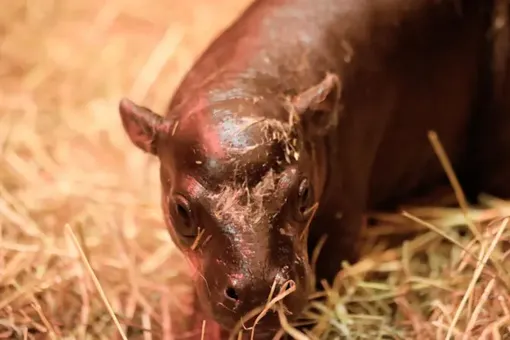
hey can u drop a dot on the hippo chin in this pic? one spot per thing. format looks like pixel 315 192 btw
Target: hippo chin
pixel 302 116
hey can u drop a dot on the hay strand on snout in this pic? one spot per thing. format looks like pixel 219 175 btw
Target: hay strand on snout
pixel 271 292
pixel 287 288
pixel 196 242
pixel 259 312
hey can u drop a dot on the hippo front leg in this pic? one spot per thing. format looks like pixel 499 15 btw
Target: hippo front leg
pixel 343 232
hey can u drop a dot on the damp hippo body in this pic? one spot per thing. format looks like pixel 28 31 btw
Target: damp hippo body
pixel 303 115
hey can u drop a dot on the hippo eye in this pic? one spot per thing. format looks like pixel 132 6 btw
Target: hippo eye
pixel 185 225
pixel 303 196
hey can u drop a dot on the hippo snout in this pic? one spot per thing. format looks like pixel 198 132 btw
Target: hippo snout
pixel 243 296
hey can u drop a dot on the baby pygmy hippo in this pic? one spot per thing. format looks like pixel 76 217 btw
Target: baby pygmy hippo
pixel 304 114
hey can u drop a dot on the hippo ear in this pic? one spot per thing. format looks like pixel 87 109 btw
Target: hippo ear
pixel 141 125
pixel 317 107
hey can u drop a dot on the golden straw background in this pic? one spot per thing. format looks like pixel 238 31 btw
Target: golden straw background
pixel 66 163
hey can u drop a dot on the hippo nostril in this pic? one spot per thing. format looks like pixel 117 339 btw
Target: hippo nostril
pixel 231 294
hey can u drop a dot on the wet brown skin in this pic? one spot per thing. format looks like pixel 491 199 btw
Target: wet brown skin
pixel 320 101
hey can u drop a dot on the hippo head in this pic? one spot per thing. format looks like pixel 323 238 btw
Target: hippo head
pixel 240 185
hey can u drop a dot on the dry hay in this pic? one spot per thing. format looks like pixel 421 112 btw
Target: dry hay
pixel 73 191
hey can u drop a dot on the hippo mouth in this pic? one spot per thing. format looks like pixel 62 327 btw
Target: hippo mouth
pixel 265 321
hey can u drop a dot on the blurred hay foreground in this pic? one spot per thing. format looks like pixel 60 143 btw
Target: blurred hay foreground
pixel 66 162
